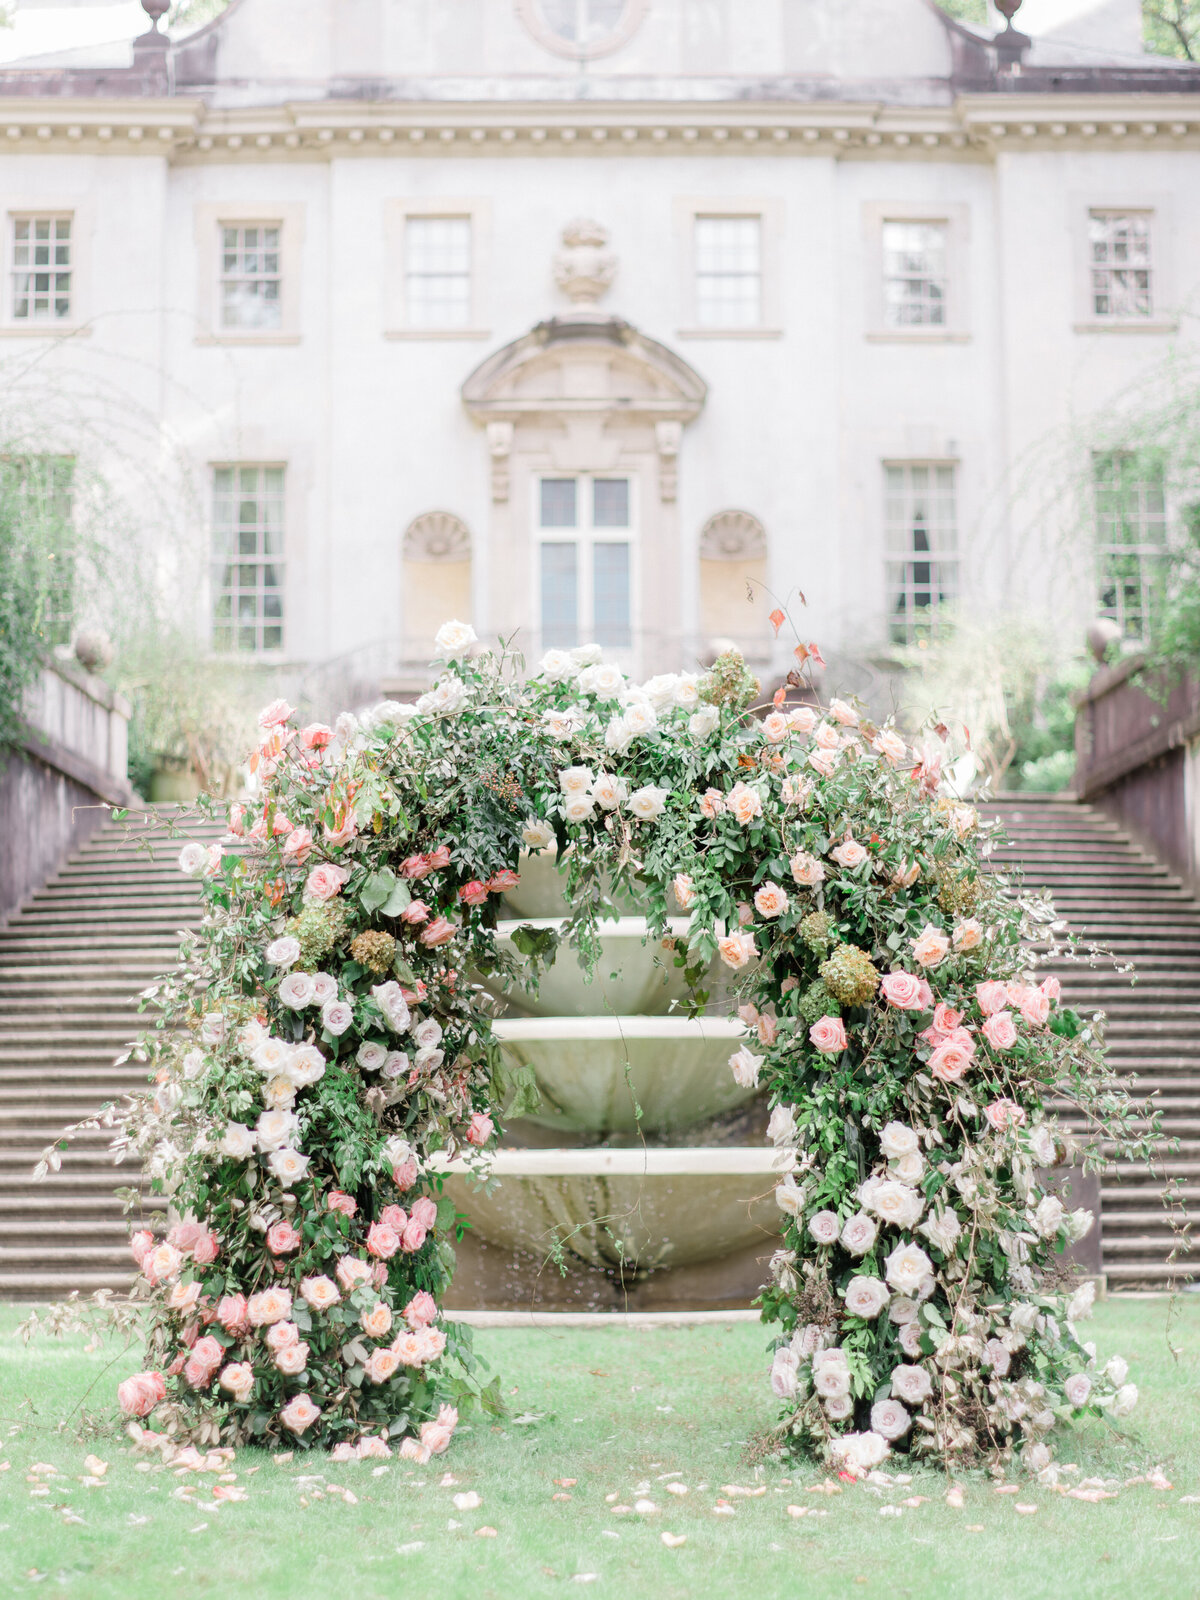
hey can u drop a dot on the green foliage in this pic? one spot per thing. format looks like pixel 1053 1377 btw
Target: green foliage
pixel 37 561
pixel 1172 28
pixel 966 10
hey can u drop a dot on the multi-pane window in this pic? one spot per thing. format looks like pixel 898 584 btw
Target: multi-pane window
pixel 1131 539
pixel 585 549
pixel 37 495
pixel 251 277
pixel 914 274
pixel 922 547
pixel 1119 256
pixel 248 558
pixel 728 271
pixel 437 272
pixel 41 269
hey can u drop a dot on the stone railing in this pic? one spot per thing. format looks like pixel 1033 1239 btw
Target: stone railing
pixel 1137 757
pixel 70 768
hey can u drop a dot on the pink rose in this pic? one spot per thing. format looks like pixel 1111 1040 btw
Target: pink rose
pixel 768 1029
pixel 394 1217
pixel 140 1245
pixel 162 1263
pixel 138 1396
pixel 298 845
pixel 439 858
pixel 316 736
pixel 274 715
pixel 474 893
pixel 410 1349
pixel 299 1414
pixel 946 1019
pixel 424 1210
pixel 951 1059
pixel 828 1035
pixel 281 1334
pixel 414 1237
pixel 269 1306
pixel 282 1239
pixel 502 880
pixel 292 1359
pixel 232 1313
pixel 479 1130
pixel 1002 1114
pixel 849 854
pixel 381 1365
pixel 382 1241
pixel 404 1175
pixel 415 867
pixel 280 824
pixel 206 1249
pixel 991 997
pixel 1051 988
pixel 237 820
pixel 999 1031
pixel 184 1236
pixel 1034 1006
pixel 421 1310
pixel 237 1379
pixel 336 1200
pixel 439 931
pixel 379 1276
pixel 930 947
pixel 344 827
pixel 207 1355
pixel 902 990
pixel 319 1292
pixel 415 913
pixel 324 881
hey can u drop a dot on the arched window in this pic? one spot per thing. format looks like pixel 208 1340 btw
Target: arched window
pixel 733 584
pixel 582 28
pixel 436 582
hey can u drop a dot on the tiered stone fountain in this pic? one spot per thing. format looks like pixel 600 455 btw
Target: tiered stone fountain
pixel 643 1180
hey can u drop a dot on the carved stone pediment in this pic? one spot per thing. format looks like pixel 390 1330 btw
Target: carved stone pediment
pixel 437 536
pixel 733 536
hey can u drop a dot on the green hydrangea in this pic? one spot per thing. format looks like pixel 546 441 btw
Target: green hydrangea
pixel 374 950
pixel 816 930
pixel 318 928
pixel 959 893
pixel 850 975
pixel 817 1002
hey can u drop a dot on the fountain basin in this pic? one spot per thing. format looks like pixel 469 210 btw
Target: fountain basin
pixel 542 891
pixel 632 973
pixel 594 1071
pixel 636 1209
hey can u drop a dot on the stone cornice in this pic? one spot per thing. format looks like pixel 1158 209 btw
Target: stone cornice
pixel 973 127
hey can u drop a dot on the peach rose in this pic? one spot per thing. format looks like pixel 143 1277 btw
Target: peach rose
pixel 902 990
pixel 685 894
pixel 768 1029
pixel 297 846
pixel 319 1292
pixel 930 947
pixel 325 881
pixel 807 870
pixel 282 1239
pixel 352 1272
pixel 439 932
pixel 292 1359
pixel 968 934
pixel 712 803
pixel 382 1241
pixel 377 1321
pixel 991 997
pixel 274 715
pixel 183 1296
pixel 315 737
pixel 237 1379
pixel 281 1334
pixel 745 803
pixel 138 1396
pixel 336 1200
pixel 736 949
pixel 410 1348
pixel 232 1313
pixel 802 719
pixel 951 1059
pixel 162 1264
pixel 999 1031
pixel 828 1035
pixel 421 1310
pixel 849 854
pixel 299 1414
pixel 770 900
pixel 775 727
pixel 888 744
pixel 381 1365
pixel 268 1306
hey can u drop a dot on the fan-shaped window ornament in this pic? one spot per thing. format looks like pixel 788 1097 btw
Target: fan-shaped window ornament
pixel 582 28
pixel 733 536
pixel 437 536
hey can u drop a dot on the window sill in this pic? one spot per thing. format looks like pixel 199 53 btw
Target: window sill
pixel 437 333
pixel 247 338
pixel 729 333
pixel 1128 325
pixel 45 330
pixel 917 336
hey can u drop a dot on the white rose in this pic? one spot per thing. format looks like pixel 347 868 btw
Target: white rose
pixel 324 988
pixel 785 1373
pixel 858 1233
pixel 824 1227
pixel 283 952
pixel 839 1408
pixel 996 1355
pixel 1077 1388
pixel 586 655
pixel 537 835
pixel 831 1382
pixel 834 1356
pixel 687 690
pixel 429 1060
pixel 289 1166
pixel 1023 1316
pixel 395 1065
pixel 237 1142
pixel 562 725
pixel 391 714
pixel 249 1036
pixel 271 1056
pixel 703 722
pixel 639 718
pixel 898 1139
pixel 446 697
pixel 789 1197
pixel 192 1065
pixel 575 780
pixel 337 1016
pixel 889 1418
pixel 578 808
pixel 783 1270
pixel 276 1129
pixel 453 639
pixel 896 1203
pixel 279 1093
pixel 913 1385
pixel 1048 1217
pixel 866 1297
pixel 1042 1145
pixel 910 1338
pixel 806 1341
pixel 296 991
pixel 942 1229
pixel 193 859
pixel 397 1151
pixel 428 1034
pixel 1116 1370
pixel 212 1028
pixel 556 665
pixel 781 1129
pixel 858 1453
pixel 604 681
pixel 910 1168
pixel 648 802
pixel 1078 1224
pixel 392 1005
pixel 907 1268
pixel 745 1066
pixel 1125 1400
pixel 306 1065
pixel 902 1309
pixel 617 736
pixel 608 792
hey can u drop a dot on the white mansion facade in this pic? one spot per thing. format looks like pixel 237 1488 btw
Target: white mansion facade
pixel 594 318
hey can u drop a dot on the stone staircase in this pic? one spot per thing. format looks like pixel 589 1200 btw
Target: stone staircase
pixel 1111 893
pixel 73 959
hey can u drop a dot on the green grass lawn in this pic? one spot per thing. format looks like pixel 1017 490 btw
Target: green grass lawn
pixel 622 1412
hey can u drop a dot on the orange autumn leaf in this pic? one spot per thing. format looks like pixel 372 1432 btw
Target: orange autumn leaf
pixel 777 620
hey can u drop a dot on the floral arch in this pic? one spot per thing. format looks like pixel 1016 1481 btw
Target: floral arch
pixel 324 1054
